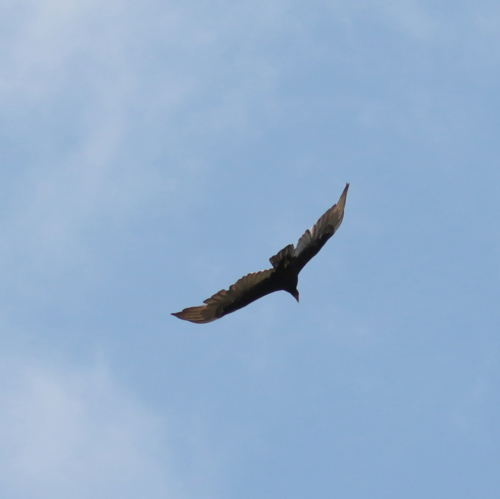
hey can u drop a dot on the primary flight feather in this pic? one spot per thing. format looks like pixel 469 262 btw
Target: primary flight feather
pixel 282 277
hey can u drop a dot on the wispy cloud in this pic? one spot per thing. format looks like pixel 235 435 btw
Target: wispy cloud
pixel 82 82
pixel 76 433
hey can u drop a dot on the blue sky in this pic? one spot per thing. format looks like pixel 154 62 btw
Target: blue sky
pixel 155 152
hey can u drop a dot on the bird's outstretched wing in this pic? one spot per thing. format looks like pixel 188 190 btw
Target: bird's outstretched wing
pixel 316 237
pixel 241 293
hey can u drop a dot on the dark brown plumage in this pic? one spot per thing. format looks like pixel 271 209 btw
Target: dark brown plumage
pixel 282 277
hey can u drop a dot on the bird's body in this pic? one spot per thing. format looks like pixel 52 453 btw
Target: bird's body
pixel 282 277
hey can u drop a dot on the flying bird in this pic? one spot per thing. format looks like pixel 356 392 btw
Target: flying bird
pixel 282 277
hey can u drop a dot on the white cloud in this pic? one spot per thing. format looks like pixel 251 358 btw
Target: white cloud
pixel 68 83
pixel 43 37
pixel 76 433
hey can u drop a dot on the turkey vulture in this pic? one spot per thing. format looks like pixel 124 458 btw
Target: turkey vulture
pixel 283 276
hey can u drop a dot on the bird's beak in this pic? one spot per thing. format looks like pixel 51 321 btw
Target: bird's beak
pixel 296 296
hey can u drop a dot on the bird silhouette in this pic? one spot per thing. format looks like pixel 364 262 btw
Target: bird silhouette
pixel 283 276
